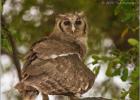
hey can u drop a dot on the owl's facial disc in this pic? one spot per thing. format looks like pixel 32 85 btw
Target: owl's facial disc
pixel 69 26
pixel 73 25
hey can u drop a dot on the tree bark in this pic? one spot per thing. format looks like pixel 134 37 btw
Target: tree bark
pixel 13 45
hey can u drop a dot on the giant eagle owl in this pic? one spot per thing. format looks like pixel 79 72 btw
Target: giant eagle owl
pixel 54 64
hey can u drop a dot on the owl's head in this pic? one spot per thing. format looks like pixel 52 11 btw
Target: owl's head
pixel 71 24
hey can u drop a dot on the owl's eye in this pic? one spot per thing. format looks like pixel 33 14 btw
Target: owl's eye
pixel 67 23
pixel 78 22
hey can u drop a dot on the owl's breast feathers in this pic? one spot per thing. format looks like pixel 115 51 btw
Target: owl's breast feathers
pixel 55 67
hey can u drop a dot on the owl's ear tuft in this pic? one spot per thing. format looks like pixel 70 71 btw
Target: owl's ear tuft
pixel 61 15
pixel 81 14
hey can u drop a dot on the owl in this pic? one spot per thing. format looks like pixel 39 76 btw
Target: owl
pixel 54 64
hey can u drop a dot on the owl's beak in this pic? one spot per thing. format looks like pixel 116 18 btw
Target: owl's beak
pixel 73 28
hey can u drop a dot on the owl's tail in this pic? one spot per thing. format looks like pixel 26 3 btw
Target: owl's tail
pixel 27 92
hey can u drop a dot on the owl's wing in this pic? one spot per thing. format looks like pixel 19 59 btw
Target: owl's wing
pixel 62 75
pixel 46 49
pixel 54 67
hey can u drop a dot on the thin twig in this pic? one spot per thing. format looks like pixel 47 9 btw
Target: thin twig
pixel 14 48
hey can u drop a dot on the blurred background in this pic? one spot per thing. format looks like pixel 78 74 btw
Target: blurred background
pixel 113 41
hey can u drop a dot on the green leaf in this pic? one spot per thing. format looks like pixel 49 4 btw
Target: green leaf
pixel 5 43
pixel 124 74
pixel 117 72
pixel 95 62
pixel 134 89
pixel 96 57
pixel 126 10
pixel 133 41
pixel 128 16
pixel 96 70
pixel 117 10
pixel 109 69
pixel 123 94
pixel 135 74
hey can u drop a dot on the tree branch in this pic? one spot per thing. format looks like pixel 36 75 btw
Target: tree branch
pixel 94 98
pixel 14 48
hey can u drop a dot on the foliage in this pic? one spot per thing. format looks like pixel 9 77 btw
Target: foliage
pixel 127 10
pixel 134 90
pixel 115 20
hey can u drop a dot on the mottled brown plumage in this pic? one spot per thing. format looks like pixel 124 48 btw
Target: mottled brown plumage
pixel 55 65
